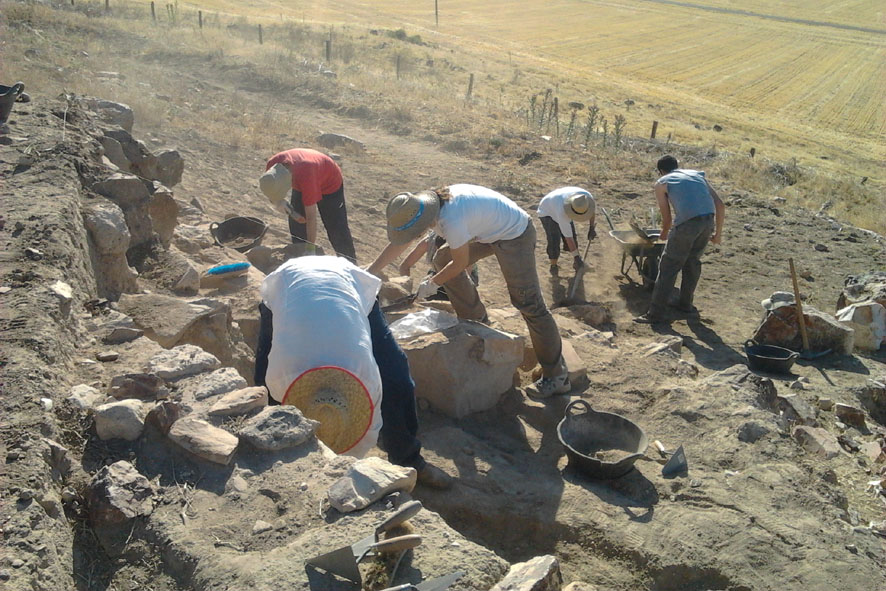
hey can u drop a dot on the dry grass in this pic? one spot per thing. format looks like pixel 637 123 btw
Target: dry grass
pixel 428 98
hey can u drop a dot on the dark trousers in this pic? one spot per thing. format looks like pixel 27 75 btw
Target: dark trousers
pixel 555 236
pixel 334 215
pixel 682 252
pixel 398 413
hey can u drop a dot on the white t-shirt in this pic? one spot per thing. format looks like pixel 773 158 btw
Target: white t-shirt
pixel 321 307
pixel 551 206
pixel 479 214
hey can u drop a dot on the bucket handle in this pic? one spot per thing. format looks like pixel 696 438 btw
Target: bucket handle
pixel 750 343
pixel 575 403
pixel 212 228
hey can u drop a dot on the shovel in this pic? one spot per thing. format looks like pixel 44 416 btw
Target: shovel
pixel 343 561
pixel 438 584
pixel 608 219
pixel 801 320
pixel 570 297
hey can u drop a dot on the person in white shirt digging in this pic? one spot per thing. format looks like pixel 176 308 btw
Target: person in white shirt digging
pixel 558 211
pixel 477 222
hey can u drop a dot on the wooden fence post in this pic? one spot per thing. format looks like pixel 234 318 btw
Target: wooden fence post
pixel 654 129
pixel 107 5
pixel 200 19
pixel 436 14
pixel 398 66
pixel 328 47
pixel 753 151
pixel 153 11
pixel 557 116
pixel 261 40
pixel 470 88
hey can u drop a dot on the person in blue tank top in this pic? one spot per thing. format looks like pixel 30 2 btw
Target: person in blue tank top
pixel 697 219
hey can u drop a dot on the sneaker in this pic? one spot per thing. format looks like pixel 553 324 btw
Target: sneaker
pixel 546 387
pixel 649 319
pixel 433 477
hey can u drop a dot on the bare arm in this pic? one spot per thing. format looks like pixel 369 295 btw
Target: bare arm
pixel 413 257
pixel 386 256
pixel 311 223
pixel 460 261
pixel 571 246
pixel 719 216
pixel 661 196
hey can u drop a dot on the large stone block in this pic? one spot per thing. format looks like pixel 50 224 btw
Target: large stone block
pixel 110 112
pixel 367 481
pixel 107 228
pixel 120 420
pixel 817 441
pixel 116 497
pixel 181 362
pixel 114 153
pixel 541 573
pixel 129 192
pixel 780 328
pixel 163 209
pixel 465 368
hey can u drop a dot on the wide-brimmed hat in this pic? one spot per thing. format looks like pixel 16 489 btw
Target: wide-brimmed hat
pixel 276 183
pixel 580 207
pixel 409 215
pixel 338 400
pixel 777 300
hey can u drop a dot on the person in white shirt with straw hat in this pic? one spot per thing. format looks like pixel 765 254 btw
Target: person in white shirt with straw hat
pixel 477 222
pixel 558 211
pixel 324 347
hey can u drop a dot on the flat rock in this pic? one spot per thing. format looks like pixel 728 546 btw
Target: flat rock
pixel 163 210
pixel 817 441
pixel 85 397
pixel 191 239
pixel 119 114
pixel 850 415
pixel 796 409
pixel 107 356
pixel 368 480
pixel 752 431
pixel 203 440
pixel 671 344
pixel 139 386
pixel 578 371
pixel 220 381
pixel 240 402
pixel 278 427
pixel 465 368
pixel 181 362
pixel 120 420
pixel 541 573
pixel 873 451
pixel 164 319
pixel 335 140
pixel 129 192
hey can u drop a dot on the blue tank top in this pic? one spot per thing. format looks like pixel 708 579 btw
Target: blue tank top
pixel 688 194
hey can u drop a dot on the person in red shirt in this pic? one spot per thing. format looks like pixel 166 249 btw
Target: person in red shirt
pixel 316 183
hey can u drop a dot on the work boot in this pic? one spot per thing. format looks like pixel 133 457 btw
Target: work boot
pixel 555 270
pixel 545 387
pixel 433 477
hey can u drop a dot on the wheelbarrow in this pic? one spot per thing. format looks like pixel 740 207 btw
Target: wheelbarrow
pixel 643 248
pixel 644 255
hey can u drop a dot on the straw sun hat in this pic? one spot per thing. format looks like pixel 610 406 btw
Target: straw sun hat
pixel 409 215
pixel 276 183
pixel 337 400
pixel 579 207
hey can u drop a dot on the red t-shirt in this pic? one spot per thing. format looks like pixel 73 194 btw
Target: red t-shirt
pixel 314 174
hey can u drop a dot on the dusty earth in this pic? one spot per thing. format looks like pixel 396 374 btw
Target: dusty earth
pixel 760 514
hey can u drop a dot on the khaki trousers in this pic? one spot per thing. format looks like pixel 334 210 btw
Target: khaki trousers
pixel 516 258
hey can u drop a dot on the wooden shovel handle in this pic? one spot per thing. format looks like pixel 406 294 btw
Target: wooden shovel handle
pixel 397 544
pixel 801 320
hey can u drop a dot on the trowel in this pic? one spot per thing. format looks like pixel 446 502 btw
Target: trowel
pixel 438 584
pixel 343 561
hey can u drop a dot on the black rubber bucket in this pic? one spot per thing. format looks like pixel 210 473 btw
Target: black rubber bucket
pixel 587 433
pixel 239 233
pixel 769 358
pixel 8 94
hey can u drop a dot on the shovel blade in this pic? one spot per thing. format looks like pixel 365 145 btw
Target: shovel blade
pixel 440 583
pixel 339 562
